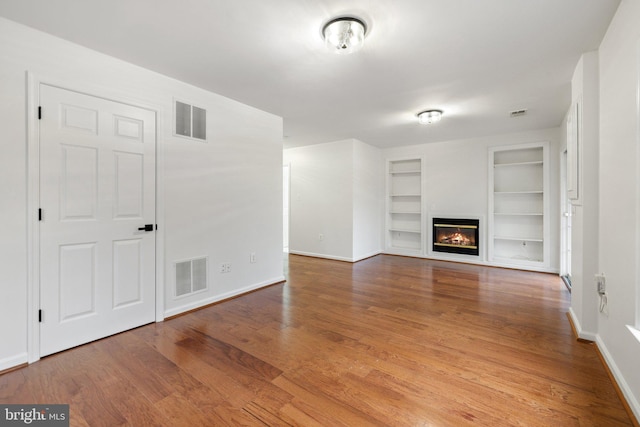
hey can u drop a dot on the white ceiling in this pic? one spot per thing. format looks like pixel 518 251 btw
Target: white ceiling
pixel 475 59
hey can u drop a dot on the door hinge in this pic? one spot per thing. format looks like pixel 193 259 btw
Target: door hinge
pixel 39 214
pixel 39 113
pixel 40 316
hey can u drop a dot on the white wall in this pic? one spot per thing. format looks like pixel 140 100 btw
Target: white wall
pixel 321 200
pixel 221 199
pixel 336 193
pixel 456 176
pixel 13 213
pixel 368 181
pixel 619 163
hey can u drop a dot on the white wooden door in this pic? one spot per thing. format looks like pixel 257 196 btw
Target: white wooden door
pixel 97 188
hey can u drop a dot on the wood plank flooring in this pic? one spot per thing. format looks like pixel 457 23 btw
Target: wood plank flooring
pixel 388 341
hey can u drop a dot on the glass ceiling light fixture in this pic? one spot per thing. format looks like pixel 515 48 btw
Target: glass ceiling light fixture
pixel 430 116
pixel 344 35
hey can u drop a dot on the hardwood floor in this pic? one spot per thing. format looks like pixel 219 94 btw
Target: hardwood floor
pixel 387 341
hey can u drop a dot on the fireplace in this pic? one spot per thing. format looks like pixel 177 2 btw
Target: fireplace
pixel 458 236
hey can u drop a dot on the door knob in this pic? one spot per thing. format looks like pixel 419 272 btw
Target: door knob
pixel 147 227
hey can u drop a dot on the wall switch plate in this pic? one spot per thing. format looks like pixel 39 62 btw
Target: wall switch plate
pixel 320 236
pixel 252 257
pixel 601 283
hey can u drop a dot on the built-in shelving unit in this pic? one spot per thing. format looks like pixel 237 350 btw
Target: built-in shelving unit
pixel 404 224
pixel 518 218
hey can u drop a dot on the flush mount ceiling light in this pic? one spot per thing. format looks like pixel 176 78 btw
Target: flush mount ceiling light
pixel 344 35
pixel 430 116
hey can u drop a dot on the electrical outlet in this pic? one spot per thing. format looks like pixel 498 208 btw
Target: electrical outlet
pixel 601 284
pixel 252 257
pixel 225 267
pixel 321 237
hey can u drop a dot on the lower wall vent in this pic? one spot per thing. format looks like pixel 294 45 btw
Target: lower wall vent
pixel 191 276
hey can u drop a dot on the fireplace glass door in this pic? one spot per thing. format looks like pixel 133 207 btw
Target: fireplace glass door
pixel 453 235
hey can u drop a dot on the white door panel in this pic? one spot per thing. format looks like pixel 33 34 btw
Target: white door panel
pixel 77 276
pixel 97 187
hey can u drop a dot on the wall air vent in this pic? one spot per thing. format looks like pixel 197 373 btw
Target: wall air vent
pixel 190 121
pixel 518 113
pixel 191 276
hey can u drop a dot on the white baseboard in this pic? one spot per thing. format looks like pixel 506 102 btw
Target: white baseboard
pixel 325 256
pixel 468 260
pixel 624 387
pixel 369 255
pixel 336 258
pixel 589 336
pixel 13 361
pixel 221 297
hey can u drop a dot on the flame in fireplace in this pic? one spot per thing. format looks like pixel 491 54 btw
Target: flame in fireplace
pixel 456 238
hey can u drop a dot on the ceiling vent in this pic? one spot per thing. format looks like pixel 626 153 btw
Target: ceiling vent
pixel 518 113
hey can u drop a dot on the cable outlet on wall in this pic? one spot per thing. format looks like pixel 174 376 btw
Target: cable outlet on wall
pixel 252 257
pixel 601 286
pixel 601 283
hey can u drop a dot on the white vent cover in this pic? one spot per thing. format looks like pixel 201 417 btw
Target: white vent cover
pixel 191 121
pixel 191 276
pixel 518 113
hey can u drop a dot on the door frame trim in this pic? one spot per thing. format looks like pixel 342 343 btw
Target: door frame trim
pixel 33 83
pixel 564 199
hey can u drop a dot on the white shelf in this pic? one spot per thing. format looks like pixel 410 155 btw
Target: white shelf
pixel 518 205
pixel 517 259
pixel 520 154
pixel 518 239
pixel 519 213
pixel 404 230
pixel 405 213
pixel 405 172
pixel 520 192
pixel 502 165
pixel 404 219
pixel 404 249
